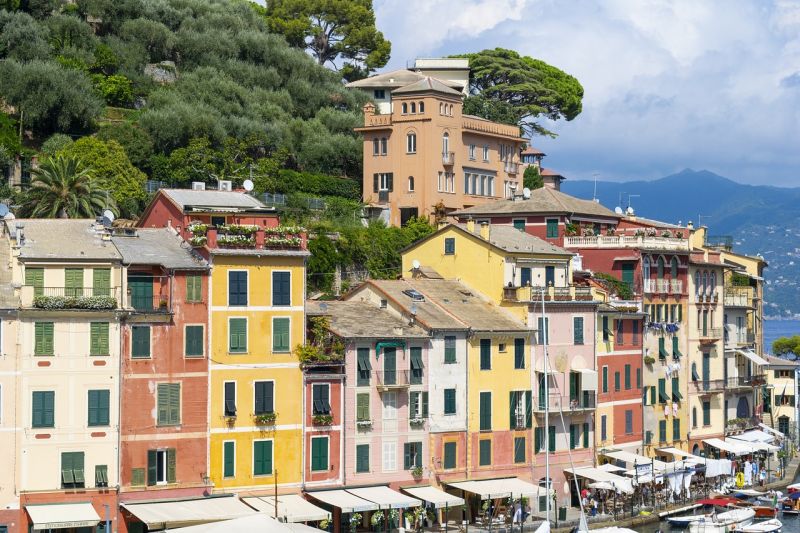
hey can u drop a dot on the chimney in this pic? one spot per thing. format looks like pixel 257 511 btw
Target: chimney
pixel 471 225
pixel 369 112
pixel 485 231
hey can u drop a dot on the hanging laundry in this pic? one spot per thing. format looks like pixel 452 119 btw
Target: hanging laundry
pixel 674 408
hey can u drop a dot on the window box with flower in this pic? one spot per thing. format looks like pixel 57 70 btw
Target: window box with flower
pixel 364 424
pixel 236 241
pixel 322 419
pixel 265 419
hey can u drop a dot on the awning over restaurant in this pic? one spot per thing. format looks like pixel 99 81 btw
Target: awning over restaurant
pixel 609 467
pixel 499 488
pixel 674 452
pixel 754 435
pixel 595 474
pixel 753 447
pixel 348 503
pixel 62 515
pixel 588 378
pixel 291 508
pixel 244 524
pixel 753 356
pixel 728 446
pixel 437 498
pixel 385 497
pixel 771 430
pixel 633 459
pixel 179 513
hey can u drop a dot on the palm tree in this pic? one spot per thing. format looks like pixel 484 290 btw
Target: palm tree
pixel 63 187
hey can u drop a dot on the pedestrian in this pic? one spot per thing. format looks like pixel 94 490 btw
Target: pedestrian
pixel 763 477
pixel 594 507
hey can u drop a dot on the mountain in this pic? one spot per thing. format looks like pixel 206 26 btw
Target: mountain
pixel 761 220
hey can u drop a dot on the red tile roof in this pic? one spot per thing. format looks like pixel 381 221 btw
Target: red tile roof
pixel 530 150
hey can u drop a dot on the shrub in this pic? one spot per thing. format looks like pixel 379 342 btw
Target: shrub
pixel 75 302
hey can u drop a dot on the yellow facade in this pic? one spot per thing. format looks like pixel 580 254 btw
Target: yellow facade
pixel 259 362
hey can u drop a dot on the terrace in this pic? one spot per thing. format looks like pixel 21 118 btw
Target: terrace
pixel 584 401
pixel 70 298
pixel 569 293
pixel 248 236
pixel 627 241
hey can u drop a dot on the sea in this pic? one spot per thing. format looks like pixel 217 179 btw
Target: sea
pixel 779 328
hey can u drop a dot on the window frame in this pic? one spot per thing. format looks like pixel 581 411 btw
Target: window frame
pixel 246 335
pixel 445 394
pixel 247 289
pixel 315 439
pixel 102 350
pixel 140 327
pixel 288 347
pixel 314 388
pixel 449 246
pixel 45 409
pixel 225 475
pixel 202 353
pixel 359 448
pixel 99 409
pixel 225 411
pixel 190 278
pixel 272 287
pixel 255 397
pixel 411 142
pixel 271 457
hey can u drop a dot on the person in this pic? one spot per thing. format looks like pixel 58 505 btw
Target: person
pixel 594 507
pixel 762 476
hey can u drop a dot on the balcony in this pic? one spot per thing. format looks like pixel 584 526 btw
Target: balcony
pixel 70 298
pixel 742 337
pixel 584 401
pixel 448 158
pixel 739 296
pixel 569 293
pixel 708 386
pixel 745 382
pixel 675 286
pixel 511 168
pixel 392 380
pixel 627 241
pixel 737 425
pixel 248 236
pixel 709 334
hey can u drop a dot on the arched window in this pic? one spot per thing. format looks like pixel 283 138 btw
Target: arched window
pixel 413 107
pixel 411 184
pixel 376 146
pixel 705 282
pixel 674 268
pixel 646 268
pixel 441 108
pixel 422 107
pixel 405 108
pixel 446 143
pixel 451 110
pixel 713 282
pixel 660 268
pixel 384 146
pixel 694 417
pixel 411 143
pixel 697 282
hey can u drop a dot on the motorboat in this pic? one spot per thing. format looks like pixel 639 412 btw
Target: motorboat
pixel 791 505
pixel 684 521
pixel 767 526
pixel 725 522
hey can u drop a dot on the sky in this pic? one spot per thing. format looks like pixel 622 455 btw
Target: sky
pixel 668 85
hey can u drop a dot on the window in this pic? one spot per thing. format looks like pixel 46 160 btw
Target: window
pixel 362 406
pixel 449 349
pixel 101 476
pixel 662 431
pixel 635 329
pixel 168 401
pixel 229 398
pixel 237 288
pixel 662 349
pixel 485 452
pixel 603 429
pixel 520 408
pixel 376 146
pixel 662 390
pixel 673 267
pixel 364 367
pixel 616 382
pixel 660 268
pixel 486 354
pixel 98 338
pixel 486 152
pixel 639 378
pixel 450 246
pixel 416 365
pixel 694 417
pixel 450 455
pixel 389 456
pixel 384 146
pixel 543 329
pixel 551 438
pixel 573 436
pixel 412 455
pixel 411 184
pixel 98 407
pixel 449 401
pixel 280 334
pixel 101 282
pixel 628 422
pixel 281 288
pixel 237 335
pixel 228 458
pixel 35 278
pixel 217 221
pixel 72 470
pixel 43 334
pixel 485 411
pixel 73 282
pixel 620 332
pixel 43 405
pixel 605 379
pixel 413 107
pixel 676 393
pixel 627 377
pixel 676 429
pixel 422 107
pixel 320 395
pixel 319 454
pixel 140 342
pixel 447 182
pixel 194 341
pixel 194 288
pixel 552 228
pixel 418 404
pixel 262 457
pixel 411 143
pixel 519 449
pixel 519 353
pixel 606 331
pixel 161 466
pixel 577 330
pixel 379 94
pixel 585 434
pixel 472 152
pixel 362 458
pixel 264 393
pixel 446 144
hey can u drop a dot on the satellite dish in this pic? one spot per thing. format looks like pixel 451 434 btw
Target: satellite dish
pixel 415 264
pixel 248 185
pixel 109 215
pixel 526 193
pixel 629 210
pixel 3 210
pixel 618 210
pixel 9 216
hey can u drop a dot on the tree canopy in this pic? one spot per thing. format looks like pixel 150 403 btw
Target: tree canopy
pixel 787 346
pixel 507 87
pixel 531 178
pixel 333 31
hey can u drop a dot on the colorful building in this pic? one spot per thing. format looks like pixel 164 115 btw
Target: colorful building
pixel 780 402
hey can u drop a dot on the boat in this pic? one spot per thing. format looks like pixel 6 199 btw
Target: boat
pixel 725 522
pixel 684 521
pixel 791 505
pixel 767 526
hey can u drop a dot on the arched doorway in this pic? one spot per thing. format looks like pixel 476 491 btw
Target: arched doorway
pixel 743 408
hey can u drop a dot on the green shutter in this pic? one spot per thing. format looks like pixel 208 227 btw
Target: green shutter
pixel 280 334
pixel 449 401
pixel 616 382
pixel 194 341
pixel 137 477
pixel 450 455
pixel 281 288
pixel 364 367
pixel 35 278
pixel 676 429
pixel 519 353
pixel 577 327
pixel 538 439
pixel 362 406
pixel 676 352
pixel 662 350
pixel 585 434
pixel 174 403
pixel 605 379
pixel 486 354
pixel 140 342
pixel 43 409
pixel 194 288
pixel 573 436
pixel 551 438
pixel 171 465
pixel 512 408
pixel 627 377
pixel 98 407
pixel 528 409
pixel 662 431
pixel 101 475
pixel 552 228
pixel 101 282
pixel 416 366
pixel 362 458
pixel 98 338
pixel 152 467
pixel 73 282
pixel 237 328
pixel 43 338
pixel 485 452
pixel 408 451
pixel 676 390
pixel 262 458
pixel 168 402
pixel 449 349
pixel 228 458
pixel 662 390
pixel 485 411
pixel 425 404
pixel 519 449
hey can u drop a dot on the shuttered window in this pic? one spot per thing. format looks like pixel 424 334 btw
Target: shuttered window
pixel 320 396
pixel 364 367
pixel 577 330
pixel 603 427
pixel 137 477
pixel 194 341
pixel 229 398
pixel 412 455
pixel 140 342
pixel 605 379
pixel 449 246
pixel 319 454
pixel 280 334
pixel 262 457
pixel 168 401
pixel 662 431
pixel 73 282
pixel 43 404
pixel 281 288
pixel 519 449
pixel 72 475
pixel 552 228
pixel 35 278
pixel 573 436
pixel 627 377
pixel 616 382
pixel 98 338
pixel 362 458
pixel 101 476
pixel 519 353
pixel 228 459
pixel 101 282
pixel 98 407
pixel 362 406
pixel 676 429
pixel 194 288
pixel 585 434
pixel 418 404
pixel 43 333
pixel 486 354
pixel 449 401
pixel 706 413
pixel 628 422
pixel 237 288
pixel 485 411
pixel 237 335
pixel 551 437
pixel 450 455
pixel 416 365
pixel 485 452
pixel 450 349
pixel 264 392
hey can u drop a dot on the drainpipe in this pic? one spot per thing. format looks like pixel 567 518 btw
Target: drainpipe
pixel 120 389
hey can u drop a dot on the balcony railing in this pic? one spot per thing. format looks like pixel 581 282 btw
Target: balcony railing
pixel 708 386
pixel 88 298
pixel 709 333
pixel 150 304
pixel 448 158
pixel 739 296
pixel 745 381
pixel 741 337
pixel 511 168
pixel 627 241
pixel 552 294
pixel 581 402
pixel 676 286
pixel 392 379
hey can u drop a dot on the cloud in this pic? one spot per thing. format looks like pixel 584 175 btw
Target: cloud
pixel 668 84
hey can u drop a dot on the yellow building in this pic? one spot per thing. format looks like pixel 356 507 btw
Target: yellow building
pixel 256 319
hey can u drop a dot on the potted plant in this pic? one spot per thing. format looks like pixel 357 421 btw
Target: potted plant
pixel 162 305
pixel 571 230
pixel 666 233
pixel 376 520
pixel 355 520
pixel 363 424
pixel 394 518
pixel 322 419
pixel 417 472
pixel 416 421
pixel 265 419
pixel 648 360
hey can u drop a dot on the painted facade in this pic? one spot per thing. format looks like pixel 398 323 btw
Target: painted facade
pixel 10 429
pixel 780 407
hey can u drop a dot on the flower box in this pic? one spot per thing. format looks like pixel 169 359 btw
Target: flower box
pixel 265 419
pixel 322 420
pixel 75 302
pixel 363 424
pixel 236 241
pixel 198 241
pixel 416 421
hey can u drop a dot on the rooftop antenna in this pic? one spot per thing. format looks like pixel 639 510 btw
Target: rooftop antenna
pixel 632 196
pixel 700 219
pixel 594 194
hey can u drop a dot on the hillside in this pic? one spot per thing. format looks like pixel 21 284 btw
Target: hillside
pixel 761 219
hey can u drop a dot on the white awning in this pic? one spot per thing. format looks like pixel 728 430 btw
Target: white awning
pixel 595 474
pixel 771 430
pixel 588 379
pixel 348 503
pixel 301 528
pixel 291 508
pixel 499 488
pixel 753 447
pixel 171 514
pixel 609 467
pixel 674 452
pixel 754 435
pixel 634 459
pixel 437 498
pixel 244 524
pixel 385 497
pixel 753 356
pixel 62 515
pixel 737 448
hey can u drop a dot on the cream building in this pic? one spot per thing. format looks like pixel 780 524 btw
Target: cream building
pixel 780 406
